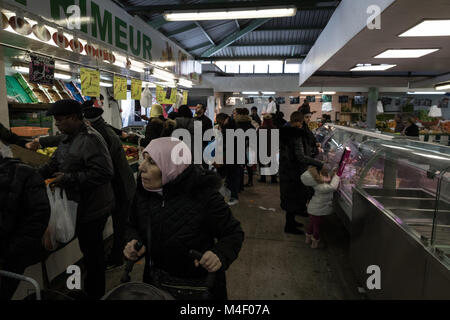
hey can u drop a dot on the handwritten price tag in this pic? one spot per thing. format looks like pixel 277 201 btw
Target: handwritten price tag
pixel 90 82
pixel 120 88
pixel 136 89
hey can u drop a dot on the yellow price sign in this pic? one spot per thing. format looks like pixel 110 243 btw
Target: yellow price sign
pixel 90 82
pixel 166 96
pixel 160 94
pixel 136 89
pixel 185 97
pixel 120 88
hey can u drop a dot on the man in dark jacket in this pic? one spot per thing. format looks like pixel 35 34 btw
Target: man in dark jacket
pixel 123 183
pixel 244 121
pixel 206 125
pixel 24 216
pixel 82 166
pixel 255 115
pixel 295 157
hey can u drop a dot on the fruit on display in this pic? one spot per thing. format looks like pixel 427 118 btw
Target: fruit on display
pixel 130 151
pixel 47 151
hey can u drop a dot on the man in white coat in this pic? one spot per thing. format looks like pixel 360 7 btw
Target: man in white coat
pixel 271 107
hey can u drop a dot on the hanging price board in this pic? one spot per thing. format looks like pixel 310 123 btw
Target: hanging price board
pixel 136 89
pixel 185 97
pixel 90 82
pixel 166 96
pixel 42 70
pixel 120 88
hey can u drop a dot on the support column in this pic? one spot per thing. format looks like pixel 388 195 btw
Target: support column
pixel 4 112
pixel 372 108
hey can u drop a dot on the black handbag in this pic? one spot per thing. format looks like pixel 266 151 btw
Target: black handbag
pixel 179 288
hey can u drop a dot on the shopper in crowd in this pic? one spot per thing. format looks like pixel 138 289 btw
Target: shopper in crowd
pixel 206 125
pixel 271 107
pixel 255 116
pixel 178 208
pixel 295 157
pixel 123 183
pixel 268 126
pixel 399 126
pixel 184 111
pixel 278 120
pixel 24 217
pixel 411 129
pixel 307 114
pixel 232 170
pixel 155 125
pixel 321 203
pixel 83 167
pixel 305 105
pixel 244 121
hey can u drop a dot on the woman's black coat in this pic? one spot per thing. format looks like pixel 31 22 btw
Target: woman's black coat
pixel 190 214
pixel 295 157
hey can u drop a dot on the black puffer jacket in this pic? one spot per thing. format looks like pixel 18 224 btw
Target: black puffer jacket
pixel 295 157
pixel 190 215
pixel 24 212
pixel 153 130
pixel 123 181
pixel 87 166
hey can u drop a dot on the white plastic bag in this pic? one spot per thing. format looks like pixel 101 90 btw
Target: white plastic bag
pixel 61 227
pixel 146 98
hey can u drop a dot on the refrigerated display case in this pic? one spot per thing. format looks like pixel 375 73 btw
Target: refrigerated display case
pixel 396 197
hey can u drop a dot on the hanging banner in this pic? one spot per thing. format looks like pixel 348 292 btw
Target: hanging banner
pixel 166 96
pixel 136 89
pixel 42 70
pixel 90 82
pixel 120 88
pixel 185 97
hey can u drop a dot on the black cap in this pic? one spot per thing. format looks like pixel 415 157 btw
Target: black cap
pixel 64 108
pixel 305 109
pixel 89 111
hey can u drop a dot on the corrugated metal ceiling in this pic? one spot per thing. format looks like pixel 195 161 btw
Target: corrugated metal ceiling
pixel 279 37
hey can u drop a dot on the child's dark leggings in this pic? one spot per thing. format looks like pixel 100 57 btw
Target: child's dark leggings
pixel 314 226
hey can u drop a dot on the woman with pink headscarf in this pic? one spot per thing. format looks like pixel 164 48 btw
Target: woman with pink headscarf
pixel 178 208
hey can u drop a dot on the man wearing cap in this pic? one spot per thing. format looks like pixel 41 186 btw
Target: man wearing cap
pixel 123 182
pixel 83 167
pixel 155 125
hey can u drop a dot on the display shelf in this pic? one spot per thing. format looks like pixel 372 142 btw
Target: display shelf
pixel 29 106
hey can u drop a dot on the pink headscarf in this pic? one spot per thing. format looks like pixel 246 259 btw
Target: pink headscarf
pixel 160 150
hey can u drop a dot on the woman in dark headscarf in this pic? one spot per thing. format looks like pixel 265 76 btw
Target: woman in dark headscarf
pixel 178 204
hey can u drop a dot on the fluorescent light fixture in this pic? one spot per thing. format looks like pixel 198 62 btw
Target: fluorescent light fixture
pixel 442 86
pixel 185 83
pixel 312 93
pixel 372 67
pixel 429 28
pixel 250 92
pixel 106 84
pixel 268 92
pixel 62 76
pixel 405 53
pixel 21 69
pixel 148 84
pixel 231 14
pixel 425 93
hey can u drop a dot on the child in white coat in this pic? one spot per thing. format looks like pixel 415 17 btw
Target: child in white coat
pixel 320 204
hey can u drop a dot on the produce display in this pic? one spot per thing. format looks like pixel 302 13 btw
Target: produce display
pixel 131 152
pixel 47 151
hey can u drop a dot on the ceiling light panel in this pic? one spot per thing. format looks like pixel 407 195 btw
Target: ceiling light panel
pixel 429 28
pixel 405 53
pixel 370 67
